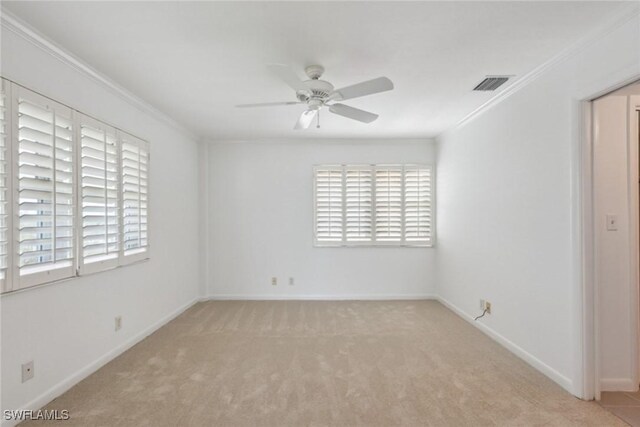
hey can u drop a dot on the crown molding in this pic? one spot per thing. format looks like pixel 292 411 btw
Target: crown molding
pixel 315 140
pixel 625 14
pixel 10 22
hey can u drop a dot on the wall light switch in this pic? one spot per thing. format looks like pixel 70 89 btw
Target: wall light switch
pixel 612 222
pixel 274 281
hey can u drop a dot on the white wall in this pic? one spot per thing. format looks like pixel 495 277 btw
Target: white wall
pixel 68 328
pixel 507 206
pixel 261 225
pixel 615 151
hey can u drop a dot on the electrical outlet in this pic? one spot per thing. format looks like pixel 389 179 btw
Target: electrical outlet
pixel 274 281
pixel 485 305
pixel 118 323
pixel 27 371
pixel 291 281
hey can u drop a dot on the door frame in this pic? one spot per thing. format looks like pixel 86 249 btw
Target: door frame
pixel 587 358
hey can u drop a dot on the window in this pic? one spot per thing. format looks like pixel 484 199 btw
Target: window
pixel 99 195
pixel 389 203
pixel 73 192
pixel 45 202
pixel 417 204
pixel 359 204
pixel 135 162
pixel 379 205
pixel 329 201
pixel 5 175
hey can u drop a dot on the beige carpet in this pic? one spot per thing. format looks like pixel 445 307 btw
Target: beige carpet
pixel 294 363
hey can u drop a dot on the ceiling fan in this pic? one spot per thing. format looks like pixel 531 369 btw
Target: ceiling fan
pixel 316 94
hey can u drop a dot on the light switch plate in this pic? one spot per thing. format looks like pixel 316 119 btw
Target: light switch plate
pixel 612 222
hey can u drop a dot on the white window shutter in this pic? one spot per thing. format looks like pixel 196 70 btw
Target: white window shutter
pixel 329 200
pixel 388 203
pixel 5 155
pixel 45 181
pixel 135 196
pixel 417 204
pixel 99 181
pixel 359 203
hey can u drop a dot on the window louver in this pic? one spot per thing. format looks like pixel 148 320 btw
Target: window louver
pixel 388 203
pixel 359 204
pixel 135 169
pixel 4 174
pixel 73 192
pixel 99 192
pixel 380 205
pixel 417 204
pixel 329 202
pixel 45 186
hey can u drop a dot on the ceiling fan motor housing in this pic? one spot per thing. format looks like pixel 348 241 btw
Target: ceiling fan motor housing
pixel 315 90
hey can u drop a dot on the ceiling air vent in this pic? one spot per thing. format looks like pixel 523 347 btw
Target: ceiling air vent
pixel 491 83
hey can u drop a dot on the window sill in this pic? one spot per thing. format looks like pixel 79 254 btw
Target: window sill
pixel 371 246
pixel 67 279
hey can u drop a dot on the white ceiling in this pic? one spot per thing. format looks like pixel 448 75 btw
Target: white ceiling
pixel 196 60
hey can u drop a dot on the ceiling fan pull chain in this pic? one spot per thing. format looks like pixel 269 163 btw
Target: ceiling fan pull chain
pixel 318 125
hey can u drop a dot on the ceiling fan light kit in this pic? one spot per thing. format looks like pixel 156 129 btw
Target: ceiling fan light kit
pixel 316 94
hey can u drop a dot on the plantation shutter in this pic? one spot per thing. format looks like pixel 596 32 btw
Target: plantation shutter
pixel 5 132
pixel 417 204
pixel 359 203
pixel 388 205
pixel 329 204
pixel 99 194
pixel 135 184
pixel 45 188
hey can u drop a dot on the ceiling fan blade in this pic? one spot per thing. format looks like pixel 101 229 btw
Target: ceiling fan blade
pixel 305 119
pixel 381 84
pixel 268 104
pixel 353 113
pixel 287 75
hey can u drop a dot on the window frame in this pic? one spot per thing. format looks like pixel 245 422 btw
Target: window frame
pixel 373 243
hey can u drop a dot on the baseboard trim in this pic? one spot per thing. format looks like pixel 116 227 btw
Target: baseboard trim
pixel 329 297
pixel 536 363
pixel 92 367
pixel 618 384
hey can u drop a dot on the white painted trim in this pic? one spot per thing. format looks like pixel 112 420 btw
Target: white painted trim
pixel 14 24
pixel 623 15
pixel 632 197
pixel 588 386
pixel 583 258
pixel 618 384
pixel 547 370
pixel 328 297
pixel 355 140
pixel 92 367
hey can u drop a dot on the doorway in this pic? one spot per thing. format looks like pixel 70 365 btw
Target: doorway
pixel 615 225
